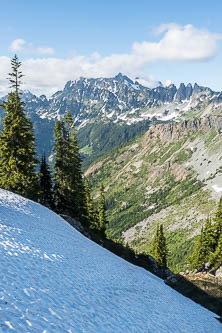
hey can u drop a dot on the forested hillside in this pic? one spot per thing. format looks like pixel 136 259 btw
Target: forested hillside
pixel 170 175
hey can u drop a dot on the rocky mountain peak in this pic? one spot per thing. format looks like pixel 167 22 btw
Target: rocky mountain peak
pixel 121 100
pixel 120 77
pixel 183 92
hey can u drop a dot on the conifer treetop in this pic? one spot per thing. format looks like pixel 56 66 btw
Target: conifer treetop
pixel 16 75
pixel 17 143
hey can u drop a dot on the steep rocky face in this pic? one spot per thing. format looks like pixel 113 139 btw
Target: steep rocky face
pixel 183 93
pixel 172 132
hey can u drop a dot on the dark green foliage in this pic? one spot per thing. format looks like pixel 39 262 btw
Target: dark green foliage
pixel 180 248
pixel 210 238
pixel 216 257
pixel 208 245
pixel 69 186
pixel 45 182
pixel 199 253
pixel 59 167
pixel 15 75
pixel 173 193
pixel 218 221
pixel 93 218
pixel 104 136
pixel 17 144
pixel 102 221
pixel 159 249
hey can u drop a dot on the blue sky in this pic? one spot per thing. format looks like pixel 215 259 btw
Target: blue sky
pixel 155 40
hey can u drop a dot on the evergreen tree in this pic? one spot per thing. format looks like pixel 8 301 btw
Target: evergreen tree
pixel 216 258
pixel 159 248
pixel 218 223
pixel 102 221
pixel 208 239
pixel 207 243
pixel 199 254
pixel 90 207
pixel 45 181
pixel 17 143
pixel 69 187
pixel 60 151
pixel 16 75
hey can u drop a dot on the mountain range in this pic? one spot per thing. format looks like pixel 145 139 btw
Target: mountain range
pixel 111 111
pixel 121 100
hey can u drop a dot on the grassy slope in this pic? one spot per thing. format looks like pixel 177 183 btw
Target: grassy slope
pixel 150 181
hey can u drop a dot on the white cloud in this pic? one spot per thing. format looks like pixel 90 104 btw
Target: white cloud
pixel 28 48
pixel 175 42
pixel 147 81
pixel 179 43
pixel 43 50
pixel 17 45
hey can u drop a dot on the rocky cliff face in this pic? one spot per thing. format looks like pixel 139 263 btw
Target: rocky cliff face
pixel 173 131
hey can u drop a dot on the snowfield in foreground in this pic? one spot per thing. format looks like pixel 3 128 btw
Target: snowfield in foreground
pixel 53 279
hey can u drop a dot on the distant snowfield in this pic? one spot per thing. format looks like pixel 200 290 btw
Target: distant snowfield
pixel 53 279
pixel 217 188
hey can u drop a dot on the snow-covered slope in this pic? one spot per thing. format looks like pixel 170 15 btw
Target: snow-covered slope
pixel 53 279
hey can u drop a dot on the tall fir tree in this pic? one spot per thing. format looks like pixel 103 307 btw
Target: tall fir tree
pixel 17 143
pixel 198 256
pixel 45 182
pixel 60 150
pixel 159 248
pixel 218 223
pixel 69 186
pixel 207 246
pixel 102 220
pixel 216 258
pixel 208 238
pixel 93 220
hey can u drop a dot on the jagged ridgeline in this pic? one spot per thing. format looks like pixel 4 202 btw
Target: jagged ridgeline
pixel 111 111
pixel 171 175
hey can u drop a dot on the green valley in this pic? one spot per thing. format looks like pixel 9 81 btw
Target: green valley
pixel 169 175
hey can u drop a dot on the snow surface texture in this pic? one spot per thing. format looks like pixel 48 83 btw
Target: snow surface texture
pixel 53 279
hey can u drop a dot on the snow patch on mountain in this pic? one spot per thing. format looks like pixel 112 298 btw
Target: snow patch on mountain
pixel 53 279
pixel 217 188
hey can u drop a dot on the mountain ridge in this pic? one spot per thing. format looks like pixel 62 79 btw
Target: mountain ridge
pixel 119 105
pixel 111 98
pixel 119 98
